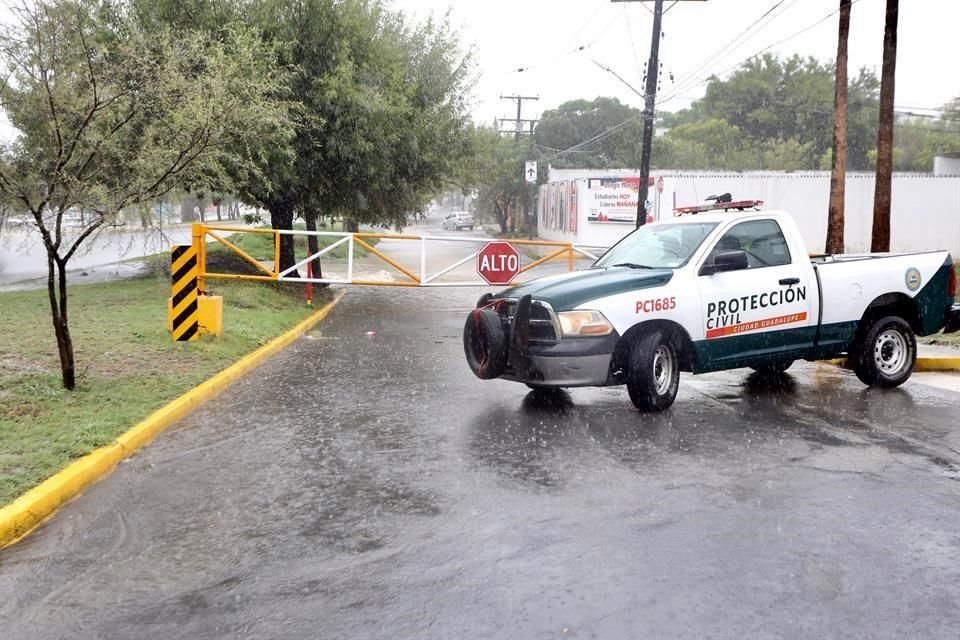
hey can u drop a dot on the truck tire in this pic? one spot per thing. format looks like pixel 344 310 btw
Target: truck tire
pixel 886 354
pixel 485 343
pixel 654 373
pixel 771 370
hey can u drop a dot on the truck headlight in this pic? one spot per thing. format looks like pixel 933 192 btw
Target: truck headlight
pixel 578 324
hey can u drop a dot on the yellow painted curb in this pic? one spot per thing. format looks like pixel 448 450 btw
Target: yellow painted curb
pixel 942 363
pixel 932 363
pixel 21 516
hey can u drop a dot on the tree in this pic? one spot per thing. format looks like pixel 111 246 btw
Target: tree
pixel 917 140
pixel 884 183
pixel 838 174
pixel 579 122
pixel 381 120
pixel 502 175
pixel 109 116
pixel 770 99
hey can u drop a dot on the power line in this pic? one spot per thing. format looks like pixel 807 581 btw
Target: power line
pixel 633 46
pixel 713 57
pixel 572 49
pixel 763 50
pixel 618 77
pixel 600 136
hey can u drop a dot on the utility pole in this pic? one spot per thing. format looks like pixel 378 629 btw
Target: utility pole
pixel 527 204
pixel 519 122
pixel 648 114
pixel 880 240
pixel 650 98
pixel 838 177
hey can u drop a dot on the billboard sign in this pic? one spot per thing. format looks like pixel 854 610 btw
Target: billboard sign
pixel 613 200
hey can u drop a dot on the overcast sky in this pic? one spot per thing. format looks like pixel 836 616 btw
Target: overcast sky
pixel 543 36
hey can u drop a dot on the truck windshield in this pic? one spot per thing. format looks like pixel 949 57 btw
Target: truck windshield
pixel 657 246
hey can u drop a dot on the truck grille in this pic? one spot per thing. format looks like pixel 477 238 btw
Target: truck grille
pixel 542 324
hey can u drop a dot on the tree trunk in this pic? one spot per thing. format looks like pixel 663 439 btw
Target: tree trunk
pixel 501 213
pixel 281 217
pixel 57 293
pixel 219 219
pixel 882 193
pixel 838 174
pixel 187 210
pixel 312 244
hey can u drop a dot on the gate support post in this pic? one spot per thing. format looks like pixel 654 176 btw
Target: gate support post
pixel 200 247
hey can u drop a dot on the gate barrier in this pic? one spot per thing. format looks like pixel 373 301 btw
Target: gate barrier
pixel 414 277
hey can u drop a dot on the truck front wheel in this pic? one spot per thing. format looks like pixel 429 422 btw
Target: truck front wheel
pixel 886 355
pixel 654 373
pixel 485 343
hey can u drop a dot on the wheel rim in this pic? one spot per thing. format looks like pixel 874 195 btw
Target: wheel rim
pixel 891 352
pixel 662 369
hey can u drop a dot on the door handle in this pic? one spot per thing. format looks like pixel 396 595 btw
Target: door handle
pixel 789 281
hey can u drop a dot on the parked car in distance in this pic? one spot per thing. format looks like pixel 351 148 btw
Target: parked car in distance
pixel 458 220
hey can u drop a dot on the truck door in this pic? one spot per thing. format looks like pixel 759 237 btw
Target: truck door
pixel 760 309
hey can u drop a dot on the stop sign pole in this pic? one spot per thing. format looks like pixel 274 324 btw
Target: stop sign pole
pixel 498 262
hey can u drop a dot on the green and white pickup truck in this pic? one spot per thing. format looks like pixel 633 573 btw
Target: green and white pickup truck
pixel 711 292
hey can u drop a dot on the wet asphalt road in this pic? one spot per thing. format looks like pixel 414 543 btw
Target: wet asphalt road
pixel 371 487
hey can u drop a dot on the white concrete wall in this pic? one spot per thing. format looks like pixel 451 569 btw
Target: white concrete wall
pixel 925 211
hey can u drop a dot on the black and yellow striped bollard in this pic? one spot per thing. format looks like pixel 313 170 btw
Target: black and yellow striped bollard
pixel 184 307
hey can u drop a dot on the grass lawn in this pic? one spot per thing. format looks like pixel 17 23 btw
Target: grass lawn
pixel 127 365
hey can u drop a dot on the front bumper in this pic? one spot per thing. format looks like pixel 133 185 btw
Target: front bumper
pixel 565 371
pixel 571 362
pixel 953 319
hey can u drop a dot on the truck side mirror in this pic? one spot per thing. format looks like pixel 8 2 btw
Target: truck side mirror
pixel 726 261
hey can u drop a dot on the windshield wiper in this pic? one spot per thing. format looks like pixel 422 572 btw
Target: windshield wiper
pixel 632 265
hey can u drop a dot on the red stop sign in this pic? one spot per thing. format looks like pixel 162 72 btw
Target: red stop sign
pixel 498 262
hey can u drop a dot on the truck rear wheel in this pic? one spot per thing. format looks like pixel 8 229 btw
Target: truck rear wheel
pixel 654 374
pixel 485 343
pixel 886 354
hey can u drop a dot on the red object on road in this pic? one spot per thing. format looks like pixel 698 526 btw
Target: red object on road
pixel 498 262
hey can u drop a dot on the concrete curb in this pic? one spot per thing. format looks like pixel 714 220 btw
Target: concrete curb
pixel 932 363
pixel 20 517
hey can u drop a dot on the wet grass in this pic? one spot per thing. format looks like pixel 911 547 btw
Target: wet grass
pixel 126 362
